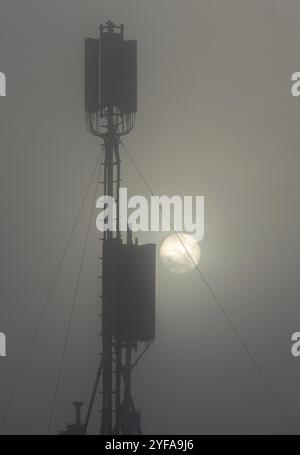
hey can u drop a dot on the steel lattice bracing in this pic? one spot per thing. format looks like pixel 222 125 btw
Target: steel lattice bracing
pixel 110 113
pixel 110 105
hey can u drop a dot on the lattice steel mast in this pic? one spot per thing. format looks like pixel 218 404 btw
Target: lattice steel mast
pixel 128 308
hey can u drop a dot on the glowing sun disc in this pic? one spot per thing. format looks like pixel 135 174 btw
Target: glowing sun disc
pixel 180 255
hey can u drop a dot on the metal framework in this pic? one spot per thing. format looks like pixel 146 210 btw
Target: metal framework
pixel 118 414
pixel 110 118
pixel 128 270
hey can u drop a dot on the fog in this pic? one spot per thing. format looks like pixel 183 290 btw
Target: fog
pixel 215 118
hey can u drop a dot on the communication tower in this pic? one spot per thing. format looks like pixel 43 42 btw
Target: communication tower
pixel 128 269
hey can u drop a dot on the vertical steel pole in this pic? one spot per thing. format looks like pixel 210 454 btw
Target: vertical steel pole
pixel 118 344
pixel 108 277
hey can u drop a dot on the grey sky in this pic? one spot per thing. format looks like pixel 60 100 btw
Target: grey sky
pixel 215 118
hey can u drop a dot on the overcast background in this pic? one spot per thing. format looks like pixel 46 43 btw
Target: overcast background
pixel 215 118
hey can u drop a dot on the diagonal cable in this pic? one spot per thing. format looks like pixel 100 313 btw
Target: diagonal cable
pixel 67 337
pixel 36 330
pixel 218 302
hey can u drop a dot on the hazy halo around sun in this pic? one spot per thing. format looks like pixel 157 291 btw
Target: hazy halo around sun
pixel 180 252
